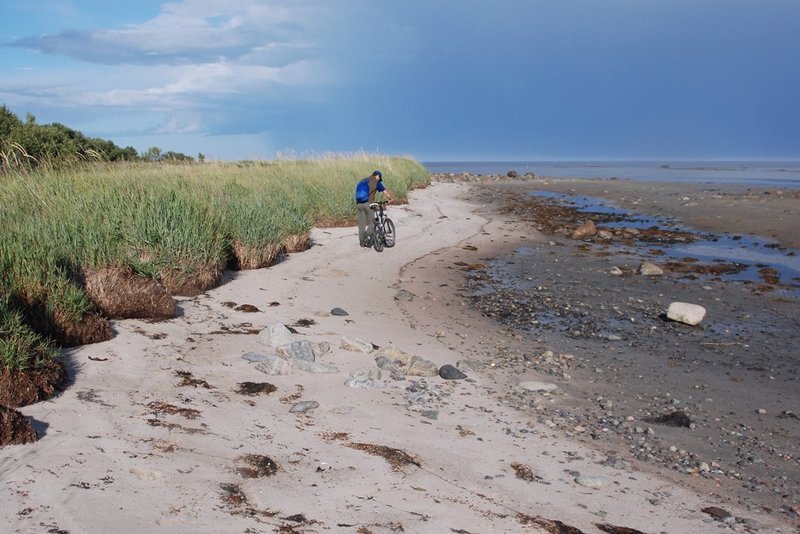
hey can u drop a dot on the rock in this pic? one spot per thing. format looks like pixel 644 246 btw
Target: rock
pixel 511 174
pixel 297 350
pixel 591 482
pixel 275 336
pixel 449 372
pixel 274 366
pixel 650 269
pixel 356 345
pixel 587 229
pixel 676 419
pixel 605 234
pixel 255 357
pixel 385 364
pixel 366 384
pixel 320 348
pixel 394 354
pixel 366 373
pixel 720 514
pixel 312 367
pixel 339 312
pixel 470 365
pixel 404 295
pixel 616 271
pixel 304 406
pixel 422 367
pixel 15 428
pixel 684 312
pixel 532 385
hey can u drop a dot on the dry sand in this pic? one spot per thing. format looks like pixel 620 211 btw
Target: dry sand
pixel 153 437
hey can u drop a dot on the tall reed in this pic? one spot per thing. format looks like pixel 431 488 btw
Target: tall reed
pixel 172 222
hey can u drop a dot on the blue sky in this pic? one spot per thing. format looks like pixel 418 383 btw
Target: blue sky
pixel 436 80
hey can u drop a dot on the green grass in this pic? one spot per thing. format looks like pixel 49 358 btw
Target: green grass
pixel 172 222
pixel 20 347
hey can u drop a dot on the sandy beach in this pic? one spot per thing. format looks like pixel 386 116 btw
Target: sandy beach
pixel 188 425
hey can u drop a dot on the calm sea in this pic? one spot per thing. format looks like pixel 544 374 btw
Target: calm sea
pixel 779 174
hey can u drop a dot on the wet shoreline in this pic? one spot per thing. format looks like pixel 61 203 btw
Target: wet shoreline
pixel 588 318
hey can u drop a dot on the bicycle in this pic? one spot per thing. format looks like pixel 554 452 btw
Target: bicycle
pixel 382 227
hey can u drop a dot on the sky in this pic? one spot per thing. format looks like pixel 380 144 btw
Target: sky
pixel 437 80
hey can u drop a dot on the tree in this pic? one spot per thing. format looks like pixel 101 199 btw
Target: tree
pixel 152 154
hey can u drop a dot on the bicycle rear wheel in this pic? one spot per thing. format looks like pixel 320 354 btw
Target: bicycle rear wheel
pixel 377 237
pixel 388 232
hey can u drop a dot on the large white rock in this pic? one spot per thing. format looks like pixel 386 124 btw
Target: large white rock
pixel 684 312
pixel 276 335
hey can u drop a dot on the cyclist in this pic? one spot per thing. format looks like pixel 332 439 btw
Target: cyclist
pixel 365 195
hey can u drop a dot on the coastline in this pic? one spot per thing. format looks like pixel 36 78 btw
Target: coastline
pixel 138 439
pixel 735 375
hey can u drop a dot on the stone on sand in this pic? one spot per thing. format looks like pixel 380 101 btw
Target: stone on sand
pixel 276 335
pixel 354 344
pixel 650 269
pixel 422 367
pixel 685 312
pixel 274 365
pixel 587 229
pixel 534 385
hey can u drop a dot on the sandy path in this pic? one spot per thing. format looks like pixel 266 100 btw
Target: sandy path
pixel 122 449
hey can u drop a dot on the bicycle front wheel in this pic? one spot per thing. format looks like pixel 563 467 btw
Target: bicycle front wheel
pixel 388 232
pixel 377 237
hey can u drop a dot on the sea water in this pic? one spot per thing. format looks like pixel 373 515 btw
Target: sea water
pixel 749 252
pixel 778 174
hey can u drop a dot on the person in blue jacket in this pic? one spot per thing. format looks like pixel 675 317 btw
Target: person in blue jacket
pixel 365 195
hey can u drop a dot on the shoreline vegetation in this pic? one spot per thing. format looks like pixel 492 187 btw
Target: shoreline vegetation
pixel 91 242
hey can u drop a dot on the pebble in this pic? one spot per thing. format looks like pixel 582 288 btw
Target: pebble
pixel 533 385
pixel 449 372
pixel 592 482
pixel 339 312
pixel 366 384
pixel 404 295
pixel 650 269
pixel 304 406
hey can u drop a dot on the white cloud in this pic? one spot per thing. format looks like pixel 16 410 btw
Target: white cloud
pixel 194 31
